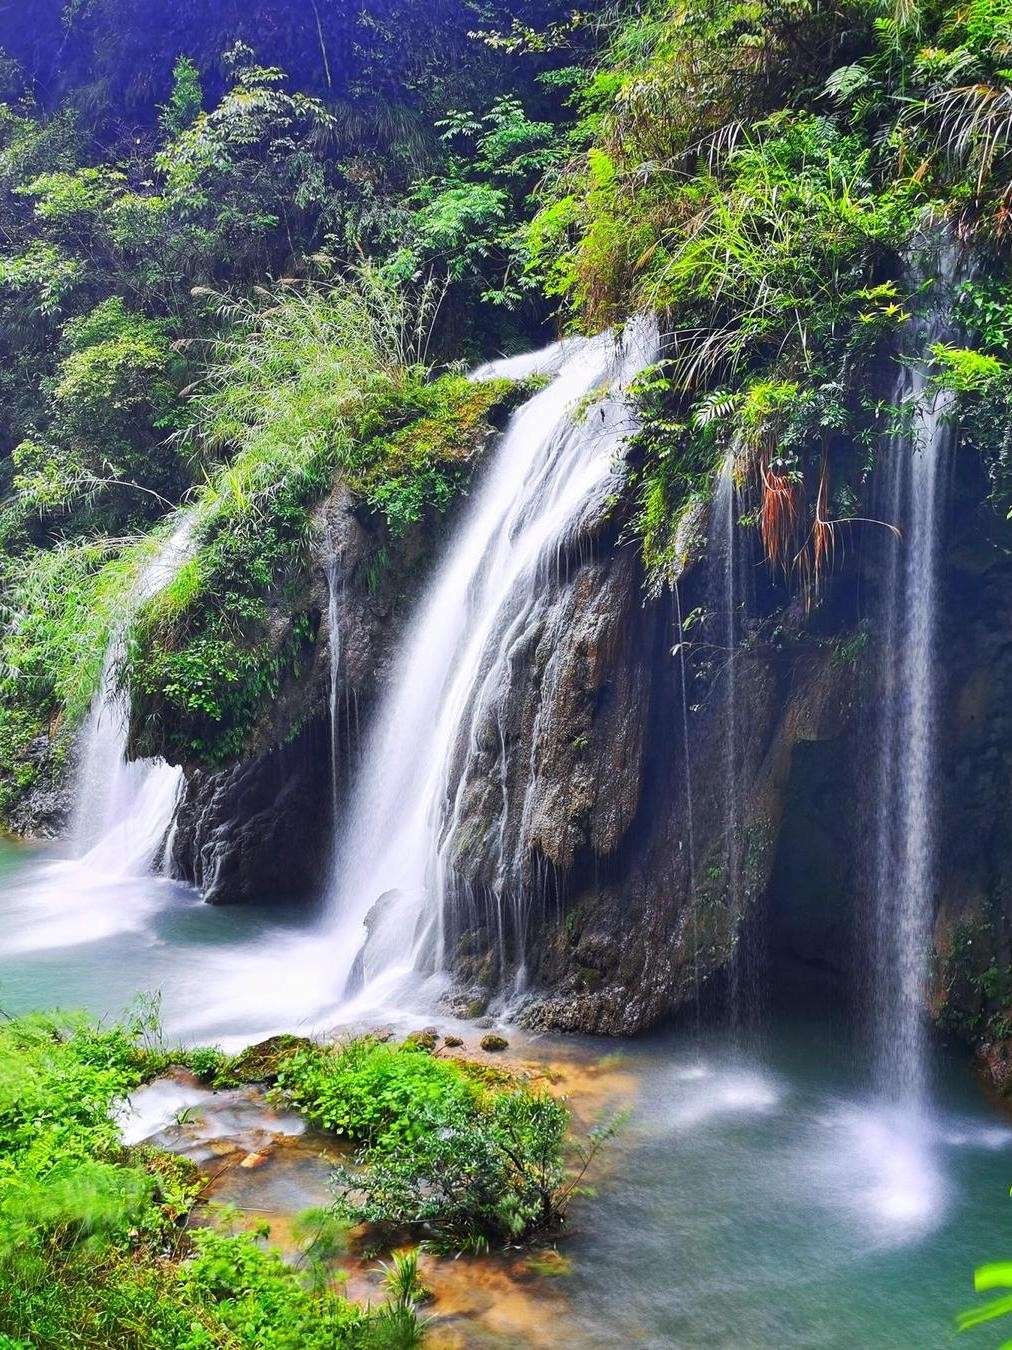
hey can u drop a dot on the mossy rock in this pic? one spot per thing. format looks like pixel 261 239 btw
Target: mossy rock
pixel 453 1041
pixel 493 1043
pixel 487 973
pixel 425 464
pixel 422 1040
pixel 261 1063
pixel 472 942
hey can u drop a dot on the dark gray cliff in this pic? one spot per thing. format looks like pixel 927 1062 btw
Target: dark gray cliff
pixel 579 870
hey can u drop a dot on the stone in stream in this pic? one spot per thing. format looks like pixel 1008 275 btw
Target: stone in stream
pixel 261 1063
pixel 423 1040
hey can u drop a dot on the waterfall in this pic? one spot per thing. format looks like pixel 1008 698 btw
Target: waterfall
pixel 123 810
pixel 551 474
pixel 333 573
pixel 913 497
pixel 726 595
pixel 689 815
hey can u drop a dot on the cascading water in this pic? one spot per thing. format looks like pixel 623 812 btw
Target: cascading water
pixel 333 574
pixel 690 826
pixel 550 474
pixel 726 597
pixel 914 499
pixel 123 809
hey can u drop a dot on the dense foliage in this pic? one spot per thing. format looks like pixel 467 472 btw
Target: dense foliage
pixel 781 180
pixel 96 1247
pixel 93 1250
pixel 222 283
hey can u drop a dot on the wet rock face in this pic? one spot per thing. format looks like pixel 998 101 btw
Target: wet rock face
pixel 994 1063
pixel 254 830
pixel 972 970
pixel 46 810
pixel 574 863
pixel 556 766
pixel 577 872
pixel 648 933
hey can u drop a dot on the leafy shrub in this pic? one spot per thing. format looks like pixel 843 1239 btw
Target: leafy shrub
pixel 781 215
pixel 372 1093
pixel 114 401
pixel 463 1156
pixel 487 1171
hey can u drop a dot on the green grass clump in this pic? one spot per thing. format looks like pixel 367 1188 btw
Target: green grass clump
pixel 425 465
pixel 374 1094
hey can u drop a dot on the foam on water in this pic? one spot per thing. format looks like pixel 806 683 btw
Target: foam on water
pixel 724 1093
pixel 196 1114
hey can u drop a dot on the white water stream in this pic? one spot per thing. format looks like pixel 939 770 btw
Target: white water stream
pixel 726 595
pixel 123 810
pixel 913 496
pixel 551 473
pixel 333 574
pixel 904 879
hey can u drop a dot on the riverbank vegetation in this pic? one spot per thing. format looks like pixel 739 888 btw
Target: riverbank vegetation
pixel 101 1244
pixel 94 1248
pixel 463 1155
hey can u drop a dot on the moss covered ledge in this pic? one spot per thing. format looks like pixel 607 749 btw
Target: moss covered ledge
pixel 234 634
